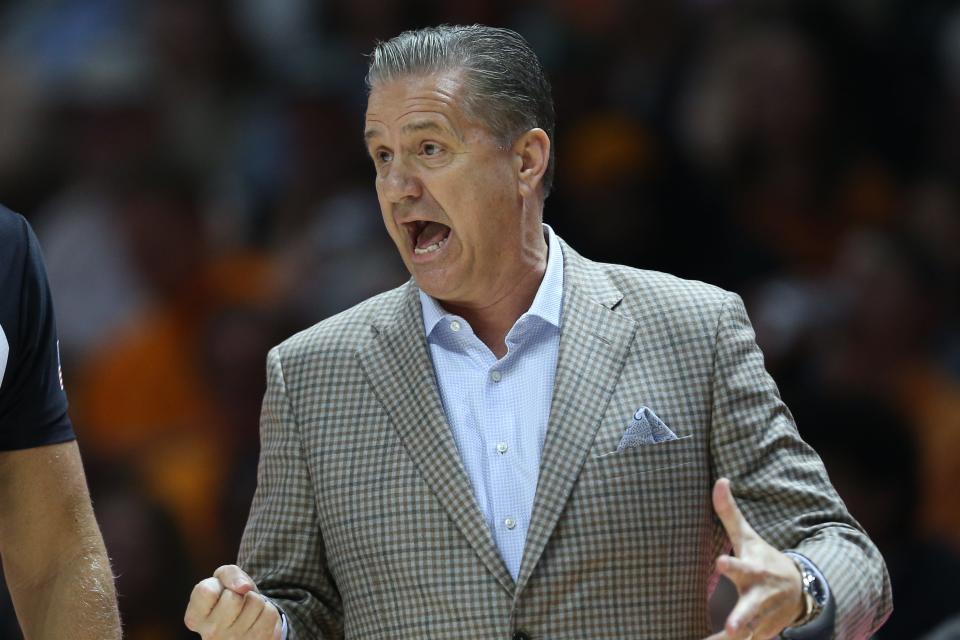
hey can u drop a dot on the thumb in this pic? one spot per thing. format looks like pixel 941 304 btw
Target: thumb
pixel 736 526
pixel 233 577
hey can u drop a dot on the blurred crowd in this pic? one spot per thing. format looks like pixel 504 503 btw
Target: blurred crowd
pixel 196 175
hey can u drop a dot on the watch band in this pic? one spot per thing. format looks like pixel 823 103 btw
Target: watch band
pixel 813 587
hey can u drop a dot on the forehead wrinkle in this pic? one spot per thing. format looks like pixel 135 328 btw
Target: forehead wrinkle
pixel 445 124
pixel 433 121
pixel 425 106
pixel 435 100
pixel 423 125
pixel 438 100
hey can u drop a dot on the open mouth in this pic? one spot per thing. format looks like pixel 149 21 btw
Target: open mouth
pixel 427 237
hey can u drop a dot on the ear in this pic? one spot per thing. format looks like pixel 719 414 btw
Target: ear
pixel 532 151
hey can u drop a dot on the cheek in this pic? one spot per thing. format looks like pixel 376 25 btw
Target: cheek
pixel 384 208
pixel 394 231
pixel 496 182
pixel 378 186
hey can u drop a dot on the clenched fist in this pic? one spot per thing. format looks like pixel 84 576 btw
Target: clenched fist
pixel 228 606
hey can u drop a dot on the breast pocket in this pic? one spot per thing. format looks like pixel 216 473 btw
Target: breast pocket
pixel 658 457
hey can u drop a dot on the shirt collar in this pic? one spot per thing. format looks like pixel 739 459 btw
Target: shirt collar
pixel 546 304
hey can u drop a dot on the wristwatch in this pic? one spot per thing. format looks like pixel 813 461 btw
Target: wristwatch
pixel 815 590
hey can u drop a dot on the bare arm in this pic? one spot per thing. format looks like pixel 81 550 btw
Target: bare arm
pixel 53 555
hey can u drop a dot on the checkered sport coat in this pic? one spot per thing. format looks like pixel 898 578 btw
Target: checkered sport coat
pixel 364 524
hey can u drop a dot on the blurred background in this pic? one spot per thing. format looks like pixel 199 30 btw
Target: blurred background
pixel 195 172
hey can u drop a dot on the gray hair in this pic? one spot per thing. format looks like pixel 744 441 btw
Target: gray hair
pixel 506 88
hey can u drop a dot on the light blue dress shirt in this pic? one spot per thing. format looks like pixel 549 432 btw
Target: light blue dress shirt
pixel 498 409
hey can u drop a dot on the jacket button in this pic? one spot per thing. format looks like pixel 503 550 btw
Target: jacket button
pixel 521 635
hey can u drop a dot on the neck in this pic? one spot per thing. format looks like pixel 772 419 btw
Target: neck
pixel 492 322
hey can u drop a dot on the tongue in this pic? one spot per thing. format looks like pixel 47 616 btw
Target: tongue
pixel 432 233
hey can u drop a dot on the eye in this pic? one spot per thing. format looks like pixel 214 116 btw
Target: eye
pixel 382 156
pixel 431 149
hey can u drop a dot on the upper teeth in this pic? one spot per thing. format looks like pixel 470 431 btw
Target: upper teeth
pixel 429 248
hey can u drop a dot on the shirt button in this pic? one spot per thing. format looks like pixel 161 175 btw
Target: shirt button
pixel 502 448
pixel 495 376
pixel 454 326
pixel 510 523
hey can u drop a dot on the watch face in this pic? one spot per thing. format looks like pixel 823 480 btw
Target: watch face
pixel 812 586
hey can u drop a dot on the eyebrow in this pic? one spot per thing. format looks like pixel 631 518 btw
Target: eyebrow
pixel 423 125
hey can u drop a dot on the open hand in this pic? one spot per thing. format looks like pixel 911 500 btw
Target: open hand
pixel 769 584
pixel 228 606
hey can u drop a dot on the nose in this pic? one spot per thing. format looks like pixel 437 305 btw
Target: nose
pixel 398 181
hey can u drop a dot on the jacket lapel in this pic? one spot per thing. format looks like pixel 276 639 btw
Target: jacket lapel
pixel 397 363
pixel 594 342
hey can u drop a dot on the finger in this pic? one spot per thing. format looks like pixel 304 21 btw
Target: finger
pixel 203 599
pixel 268 626
pixel 253 605
pixel 765 615
pixel 736 526
pixel 235 579
pixel 225 613
pixel 740 572
pixel 746 616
